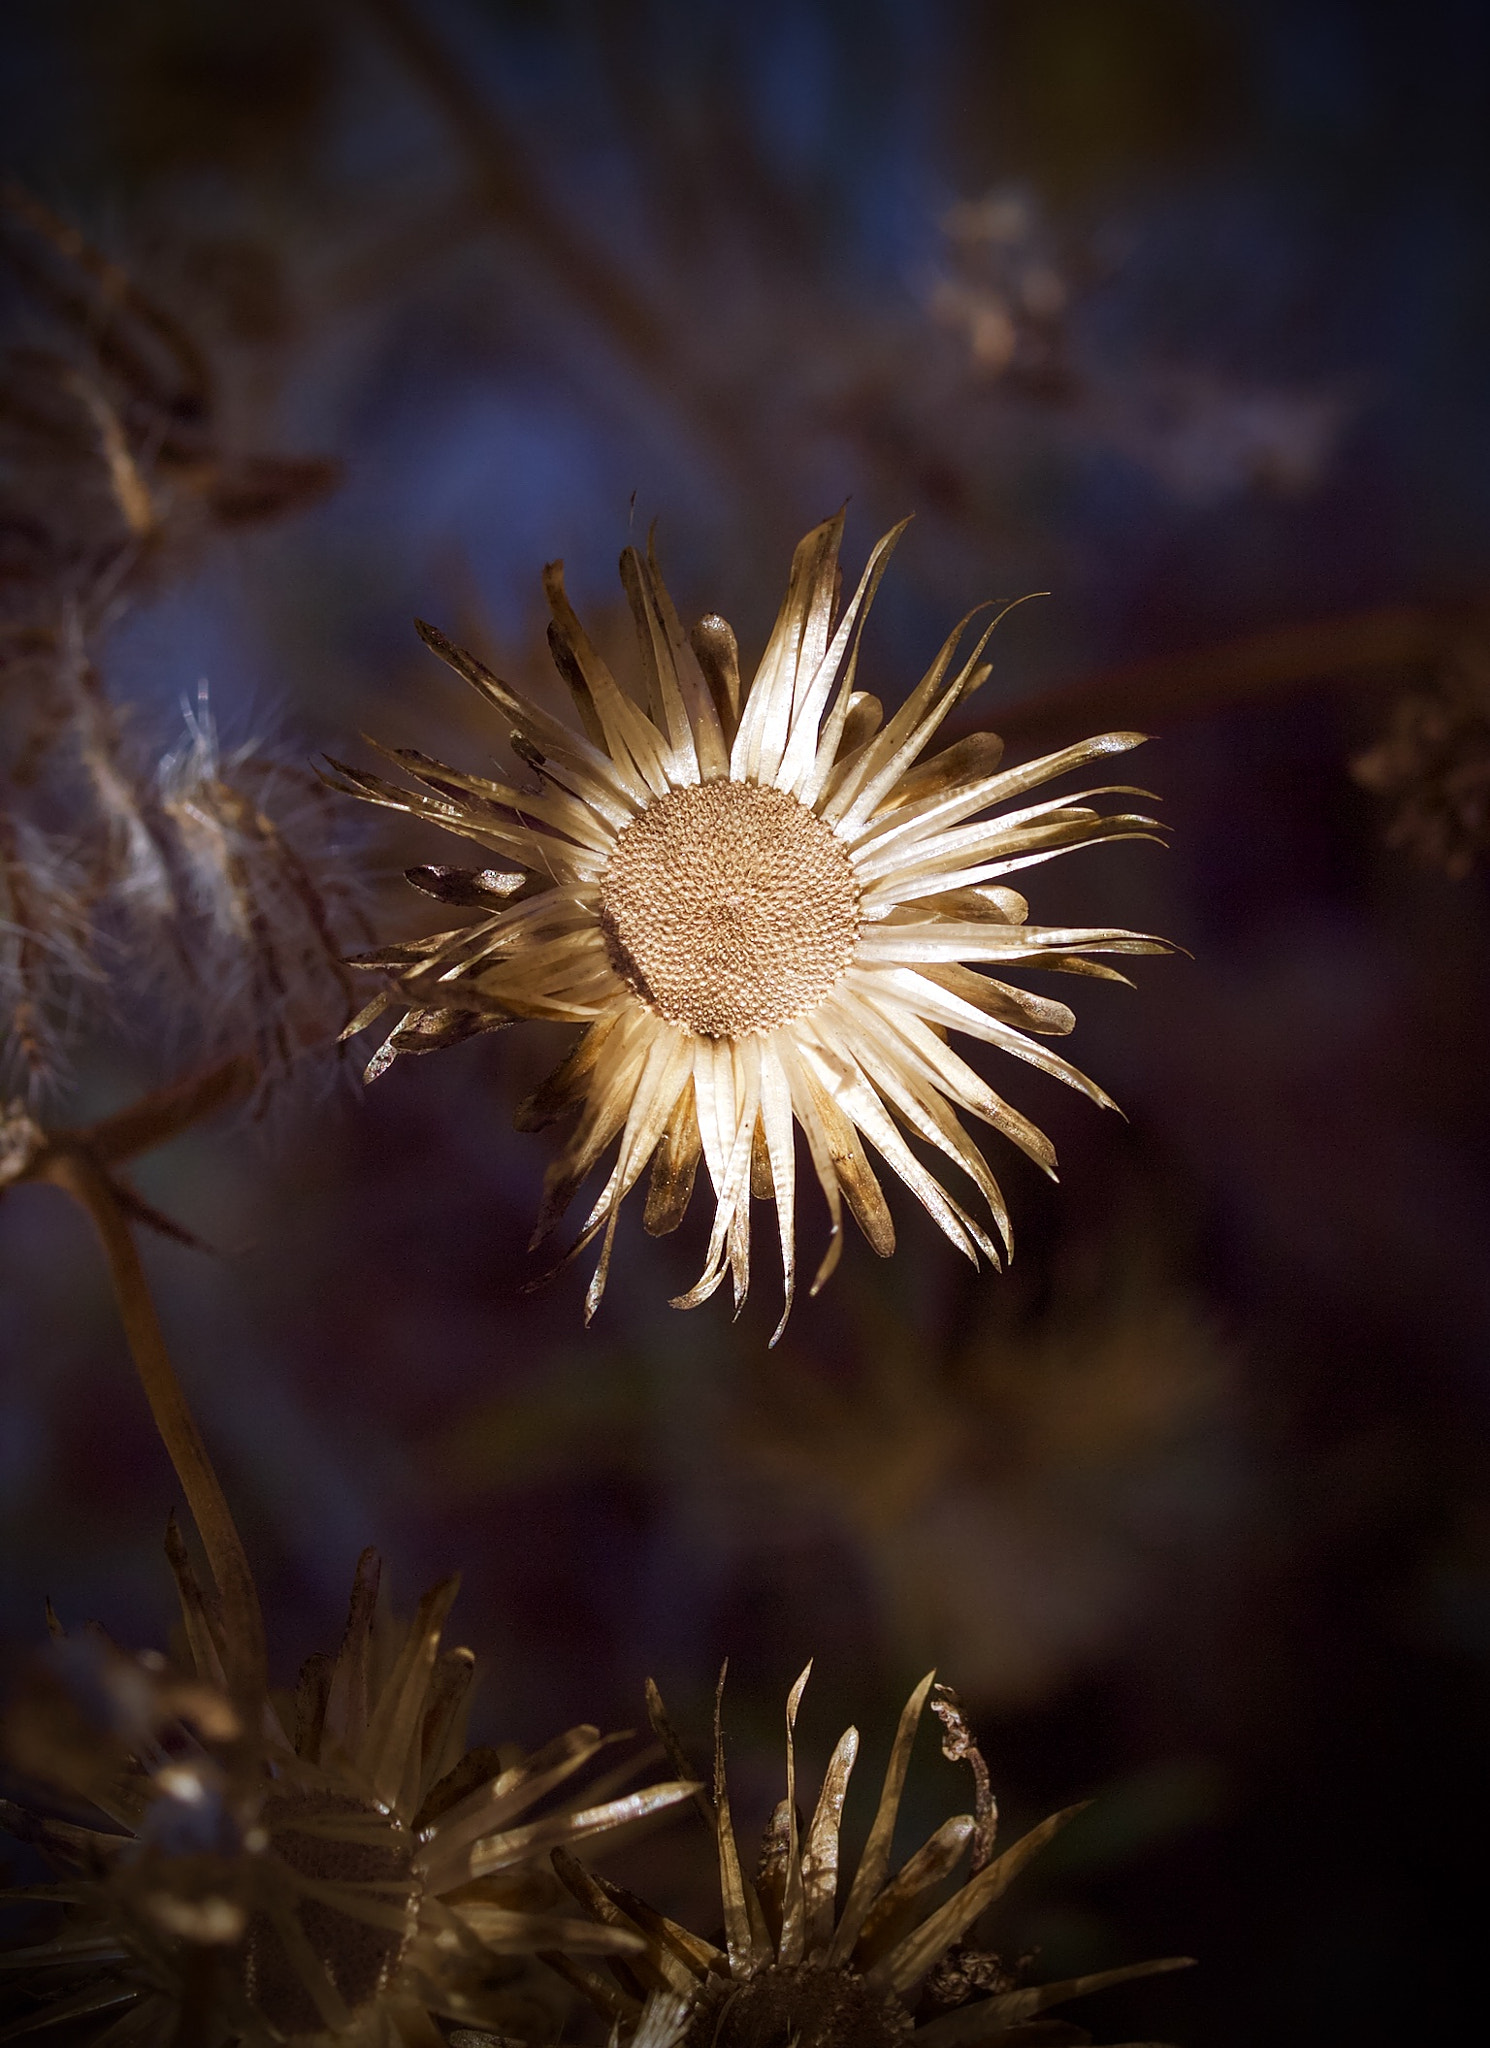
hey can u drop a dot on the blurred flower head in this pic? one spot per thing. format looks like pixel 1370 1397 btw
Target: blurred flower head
pixel 1007 287
pixel 760 913
pixel 335 1866
pixel 1015 1493
pixel 1432 766
pixel 887 1964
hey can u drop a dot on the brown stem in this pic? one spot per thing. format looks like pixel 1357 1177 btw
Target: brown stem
pixel 1361 646
pixel 75 1170
pixel 168 1111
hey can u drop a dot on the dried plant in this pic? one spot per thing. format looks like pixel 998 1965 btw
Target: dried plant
pixel 759 910
pixel 334 1866
pixel 1432 765
pixel 887 1964
pixel 192 893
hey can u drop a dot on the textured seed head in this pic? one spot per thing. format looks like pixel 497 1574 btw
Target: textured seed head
pixel 799 2007
pixel 333 1841
pixel 729 907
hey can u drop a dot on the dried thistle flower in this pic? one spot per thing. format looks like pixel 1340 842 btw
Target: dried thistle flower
pixel 332 1868
pixel 262 897
pixel 114 865
pixel 1432 765
pixel 887 1965
pixel 759 912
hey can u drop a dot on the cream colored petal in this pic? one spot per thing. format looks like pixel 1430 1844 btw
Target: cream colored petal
pixel 1014 1006
pixel 776 1121
pixel 737 1094
pixel 899 986
pixel 639 751
pixel 797 769
pixel 674 1167
pixel 687 1948
pixel 513 1933
pixel 988 904
pixel 444 1857
pixel 793 1904
pixel 745 1936
pixel 854 802
pixel 348 1706
pixel 874 1864
pixel 950 940
pixel 564 1089
pixel 952 772
pixel 522 1844
pixel 854 1174
pixel 709 738
pixel 658 1088
pixel 201 1621
pixel 1008 2008
pixel 717 653
pixel 926 843
pixel 737 1248
pixel 903 1901
pixel 396 1718
pixel 314 1977
pixel 554 739
pixel 804 1106
pixel 906 810
pixel 664 697
pixel 924 1107
pixel 601 1122
pixel 908 1962
pixel 862 1104
pixel 556 808
pixel 820 1851
pixel 798 640
pixel 933 1063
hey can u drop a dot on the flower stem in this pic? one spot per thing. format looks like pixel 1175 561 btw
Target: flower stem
pixel 78 1172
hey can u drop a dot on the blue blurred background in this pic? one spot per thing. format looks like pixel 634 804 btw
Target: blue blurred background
pixel 1176 309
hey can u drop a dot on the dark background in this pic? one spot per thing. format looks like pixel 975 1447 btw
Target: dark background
pixel 1193 1505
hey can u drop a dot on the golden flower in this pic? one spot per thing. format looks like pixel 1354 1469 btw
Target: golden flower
pixel 886 1966
pixel 336 1868
pixel 758 911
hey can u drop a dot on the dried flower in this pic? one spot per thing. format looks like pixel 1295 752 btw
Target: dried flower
pixel 887 1966
pixel 262 897
pixel 114 865
pixel 1433 766
pixel 342 1872
pixel 758 910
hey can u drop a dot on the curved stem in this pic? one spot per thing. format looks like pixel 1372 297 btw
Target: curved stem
pixel 80 1175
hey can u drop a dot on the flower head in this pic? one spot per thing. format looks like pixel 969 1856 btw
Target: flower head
pixel 1432 765
pixel 339 1868
pixel 886 1965
pixel 758 910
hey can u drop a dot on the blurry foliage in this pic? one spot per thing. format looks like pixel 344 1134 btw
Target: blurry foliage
pixel 197 891
pixel 207 85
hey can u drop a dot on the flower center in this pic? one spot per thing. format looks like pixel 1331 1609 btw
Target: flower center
pixel 729 907
pixel 799 2007
pixel 333 1841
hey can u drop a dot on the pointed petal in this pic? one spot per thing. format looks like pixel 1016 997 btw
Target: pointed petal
pixel 908 1962
pixel 820 1852
pixel 874 1864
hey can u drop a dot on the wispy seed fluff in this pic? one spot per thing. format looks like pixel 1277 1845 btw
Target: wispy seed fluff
pixel 760 913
